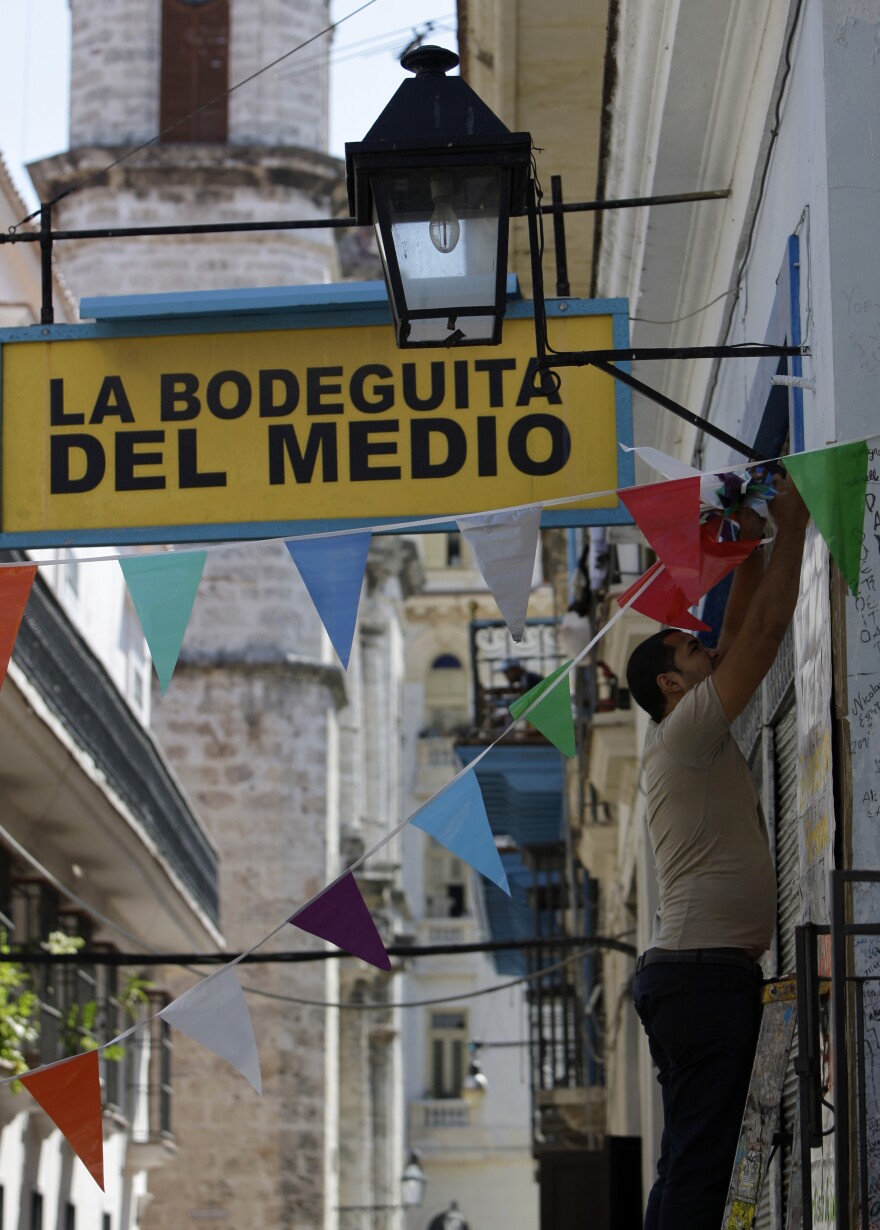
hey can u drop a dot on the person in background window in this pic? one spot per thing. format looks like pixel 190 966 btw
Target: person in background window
pixel 519 679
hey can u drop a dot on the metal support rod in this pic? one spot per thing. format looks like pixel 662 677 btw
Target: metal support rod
pixel 641 354
pixel 47 307
pixel 841 1062
pixel 806 1063
pixel 539 312
pixel 220 228
pixel 201 228
pixel 563 287
pixel 683 413
pixel 638 202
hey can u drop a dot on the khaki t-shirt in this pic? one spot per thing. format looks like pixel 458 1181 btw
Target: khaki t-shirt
pixel 707 828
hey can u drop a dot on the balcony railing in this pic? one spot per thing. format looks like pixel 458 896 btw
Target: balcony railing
pixel 75 686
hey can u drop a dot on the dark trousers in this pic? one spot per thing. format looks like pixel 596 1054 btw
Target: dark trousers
pixel 702 1024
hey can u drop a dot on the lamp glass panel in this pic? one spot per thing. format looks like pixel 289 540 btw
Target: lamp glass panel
pixel 435 281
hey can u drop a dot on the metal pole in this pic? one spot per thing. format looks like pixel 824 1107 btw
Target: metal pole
pixel 805 1063
pixel 841 1068
pixel 563 287
pixel 47 309
pixel 639 202
pixel 683 413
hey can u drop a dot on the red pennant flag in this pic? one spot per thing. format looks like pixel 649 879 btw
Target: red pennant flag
pixel 668 514
pixel 662 600
pixel 15 589
pixel 70 1094
pixel 340 915
pixel 717 558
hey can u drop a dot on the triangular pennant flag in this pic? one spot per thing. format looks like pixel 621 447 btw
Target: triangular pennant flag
pixel 552 716
pixel 718 557
pixel 332 569
pixel 504 546
pixel 340 915
pixel 457 819
pixel 668 514
pixel 833 482
pixel 215 1014
pixel 70 1094
pixel 662 600
pixel 669 467
pixel 15 589
pixel 163 589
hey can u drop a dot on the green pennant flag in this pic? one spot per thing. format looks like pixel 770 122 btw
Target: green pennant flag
pixel 553 715
pixel 832 482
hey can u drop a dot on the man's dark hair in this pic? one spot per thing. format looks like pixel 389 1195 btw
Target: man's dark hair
pixel 652 658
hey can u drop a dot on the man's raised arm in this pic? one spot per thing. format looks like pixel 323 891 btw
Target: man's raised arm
pixel 765 613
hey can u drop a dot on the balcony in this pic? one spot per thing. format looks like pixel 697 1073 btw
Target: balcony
pixel 124 815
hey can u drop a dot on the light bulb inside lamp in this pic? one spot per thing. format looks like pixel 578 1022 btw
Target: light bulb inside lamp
pixel 445 228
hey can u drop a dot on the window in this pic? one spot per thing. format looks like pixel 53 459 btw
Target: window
pixel 195 69
pixel 447 1047
pixel 444 883
pixel 70 1216
pixel 446 700
pixel 36 1211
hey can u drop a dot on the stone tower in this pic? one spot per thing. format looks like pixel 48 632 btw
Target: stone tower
pixel 140 66
pixel 292 762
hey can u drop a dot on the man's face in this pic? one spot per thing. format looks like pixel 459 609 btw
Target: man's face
pixel 693 661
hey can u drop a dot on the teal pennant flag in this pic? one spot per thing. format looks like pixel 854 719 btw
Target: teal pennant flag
pixel 552 715
pixel 332 569
pixel 163 589
pixel 457 819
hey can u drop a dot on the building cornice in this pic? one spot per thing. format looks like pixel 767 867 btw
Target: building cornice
pixel 216 166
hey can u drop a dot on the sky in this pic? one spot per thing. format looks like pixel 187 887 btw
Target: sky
pixel 35 75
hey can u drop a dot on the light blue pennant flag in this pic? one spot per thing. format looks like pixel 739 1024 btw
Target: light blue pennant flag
pixel 163 589
pixel 457 819
pixel 333 572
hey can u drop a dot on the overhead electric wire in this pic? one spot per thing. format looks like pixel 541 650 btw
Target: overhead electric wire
pixel 204 106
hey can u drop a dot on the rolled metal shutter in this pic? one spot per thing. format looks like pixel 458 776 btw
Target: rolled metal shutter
pixel 772 1213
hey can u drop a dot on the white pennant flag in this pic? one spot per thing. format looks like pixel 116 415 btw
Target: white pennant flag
pixel 671 467
pixel 215 1014
pixel 504 545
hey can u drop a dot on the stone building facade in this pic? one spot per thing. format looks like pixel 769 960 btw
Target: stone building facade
pixel 292 763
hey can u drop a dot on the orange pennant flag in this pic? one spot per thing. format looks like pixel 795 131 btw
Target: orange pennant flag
pixel 70 1094
pixel 15 589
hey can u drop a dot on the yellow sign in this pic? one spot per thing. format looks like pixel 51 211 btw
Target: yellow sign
pixel 266 428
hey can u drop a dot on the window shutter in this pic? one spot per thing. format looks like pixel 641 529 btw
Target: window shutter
pixel 195 69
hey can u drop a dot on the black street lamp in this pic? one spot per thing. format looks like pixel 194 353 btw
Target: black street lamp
pixel 439 176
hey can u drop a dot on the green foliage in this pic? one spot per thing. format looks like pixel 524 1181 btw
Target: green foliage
pixel 18 1008
pixel 79 1024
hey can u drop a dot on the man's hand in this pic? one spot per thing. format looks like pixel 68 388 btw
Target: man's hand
pixel 751 526
pixel 788 510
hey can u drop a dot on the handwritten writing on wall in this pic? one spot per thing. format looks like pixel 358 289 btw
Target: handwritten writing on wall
pixel 863 684
pixel 813 689
pixel 815 793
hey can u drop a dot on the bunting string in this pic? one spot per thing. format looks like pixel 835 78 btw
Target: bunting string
pixel 693 556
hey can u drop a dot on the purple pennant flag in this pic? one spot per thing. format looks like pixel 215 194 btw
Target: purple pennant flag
pixel 340 915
